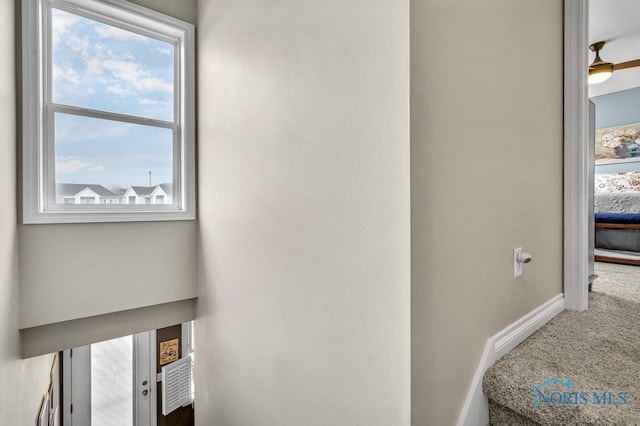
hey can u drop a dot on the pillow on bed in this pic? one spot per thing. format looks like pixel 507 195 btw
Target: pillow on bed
pixel 617 182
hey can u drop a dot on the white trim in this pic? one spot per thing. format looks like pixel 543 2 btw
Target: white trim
pixel 576 155
pixel 514 334
pixel 111 116
pixel 144 355
pixel 76 387
pixel 32 123
pixel 476 407
pixel 66 388
pixel 152 372
pixel 187 345
pixel 475 411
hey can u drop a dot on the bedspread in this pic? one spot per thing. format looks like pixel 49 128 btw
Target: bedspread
pixel 617 202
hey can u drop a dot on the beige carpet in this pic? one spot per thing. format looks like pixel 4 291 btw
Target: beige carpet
pixel 618 280
pixel 598 350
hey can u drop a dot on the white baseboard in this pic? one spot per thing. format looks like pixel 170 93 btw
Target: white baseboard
pixel 476 407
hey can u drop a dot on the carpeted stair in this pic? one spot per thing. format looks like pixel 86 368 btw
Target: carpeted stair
pixel 577 354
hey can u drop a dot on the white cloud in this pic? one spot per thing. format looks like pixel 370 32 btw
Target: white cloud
pixel 77 129
pixel 154 84
pixel 56 72
pixel 161 109
pixel 71 165
pixel 119 90
pixel 67 74
pixel 71 76
pixel 128 71
pixel 108 31
pixel 126 56
pixel 146 101
pixel 94 65
pixel 78 44
pixel 66 83
pixel 163 50
pixel 62 21
pixel 134 73
pixel 112 72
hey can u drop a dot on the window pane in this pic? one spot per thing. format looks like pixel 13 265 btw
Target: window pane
pixel 99 66
pixel 111 162
pixel 112 382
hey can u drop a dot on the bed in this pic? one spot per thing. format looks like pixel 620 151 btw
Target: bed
pixel 617 218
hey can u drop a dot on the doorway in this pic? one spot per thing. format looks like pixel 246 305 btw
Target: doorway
pixel 613 28
pixel 110 383
pixel 120 382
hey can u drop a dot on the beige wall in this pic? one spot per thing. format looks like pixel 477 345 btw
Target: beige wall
pixel 24 382
pixel 9 350
pixel 304 213
pixel 80 270
pixel 486 177
pixel 70 334
pixel 304 207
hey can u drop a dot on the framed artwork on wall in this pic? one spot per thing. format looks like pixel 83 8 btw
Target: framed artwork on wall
pixel 43 415
pixel 169 351
pixel 620 144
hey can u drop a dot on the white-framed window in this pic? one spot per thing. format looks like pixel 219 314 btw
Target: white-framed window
pixel 108 93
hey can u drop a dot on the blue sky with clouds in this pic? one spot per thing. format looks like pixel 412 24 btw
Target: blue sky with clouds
pixel 102 67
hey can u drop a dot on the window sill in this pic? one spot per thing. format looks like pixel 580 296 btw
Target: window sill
pixel 106 217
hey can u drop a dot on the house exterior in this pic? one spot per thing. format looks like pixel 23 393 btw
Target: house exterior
pixel 157 194
pixel 335 272
pixel 78 193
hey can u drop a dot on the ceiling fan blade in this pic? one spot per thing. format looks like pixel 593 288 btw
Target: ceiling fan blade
pixel 628 64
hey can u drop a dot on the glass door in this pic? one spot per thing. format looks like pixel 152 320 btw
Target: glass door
pixel 110 383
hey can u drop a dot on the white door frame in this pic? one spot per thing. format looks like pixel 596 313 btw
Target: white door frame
pixel 78 385
pixel 144 405
pixel 576 155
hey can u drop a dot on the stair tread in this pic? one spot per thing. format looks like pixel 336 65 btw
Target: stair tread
pixel 503 416
pixel 597 350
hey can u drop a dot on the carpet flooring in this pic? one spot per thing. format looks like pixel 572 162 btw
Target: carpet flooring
pixel 618 280
pixel 598 350
pixel 499 415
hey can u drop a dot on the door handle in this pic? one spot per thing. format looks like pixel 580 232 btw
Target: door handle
pixel 145 392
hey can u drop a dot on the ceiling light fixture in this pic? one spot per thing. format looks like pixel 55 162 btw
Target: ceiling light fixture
pixel 599 70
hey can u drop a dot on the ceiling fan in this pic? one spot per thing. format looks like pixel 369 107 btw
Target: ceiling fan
pixel 600 70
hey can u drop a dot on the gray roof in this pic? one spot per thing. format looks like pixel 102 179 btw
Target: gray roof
pixel 147 190
pixel 167 188
pixel 70 189
pixel 118 191
pixel 143 190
